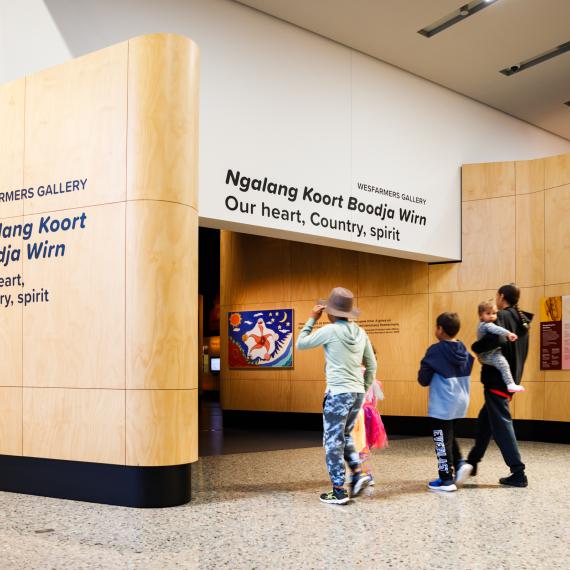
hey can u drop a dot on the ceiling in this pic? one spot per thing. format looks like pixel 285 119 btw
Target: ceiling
pixel 466 57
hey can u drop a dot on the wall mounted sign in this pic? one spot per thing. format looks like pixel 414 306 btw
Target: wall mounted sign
pixel 555 333
pixel 260 339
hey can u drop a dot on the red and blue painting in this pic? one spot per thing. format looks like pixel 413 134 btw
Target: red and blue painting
pixel 260 339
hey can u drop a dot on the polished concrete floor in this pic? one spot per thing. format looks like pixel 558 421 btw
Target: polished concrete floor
pixel 261 510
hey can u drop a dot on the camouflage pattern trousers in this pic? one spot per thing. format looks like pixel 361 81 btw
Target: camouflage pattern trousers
pixel 339 416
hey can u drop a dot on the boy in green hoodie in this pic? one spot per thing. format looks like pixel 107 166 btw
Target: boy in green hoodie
pixel 346 348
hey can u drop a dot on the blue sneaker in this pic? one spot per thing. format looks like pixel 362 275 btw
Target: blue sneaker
pixel 443 486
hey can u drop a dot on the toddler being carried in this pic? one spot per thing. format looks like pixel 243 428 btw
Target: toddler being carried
pixel 487 317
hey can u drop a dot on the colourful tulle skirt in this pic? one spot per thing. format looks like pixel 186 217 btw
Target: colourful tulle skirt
pixel 376 436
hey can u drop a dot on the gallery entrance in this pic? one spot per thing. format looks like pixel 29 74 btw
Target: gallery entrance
pixel 231 431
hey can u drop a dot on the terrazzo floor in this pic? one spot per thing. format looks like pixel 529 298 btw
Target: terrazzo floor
pixel 261 510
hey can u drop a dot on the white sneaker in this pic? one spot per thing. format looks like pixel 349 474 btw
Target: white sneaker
pixel 463 473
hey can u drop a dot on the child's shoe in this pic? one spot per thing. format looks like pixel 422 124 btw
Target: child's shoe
pixel 359 481
pixel 464 471
pixel 443 486
pixel 371 480
pixel 512 388
pixel 335 497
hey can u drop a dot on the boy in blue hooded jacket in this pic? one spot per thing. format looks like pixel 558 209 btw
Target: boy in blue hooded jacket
pixel 446 368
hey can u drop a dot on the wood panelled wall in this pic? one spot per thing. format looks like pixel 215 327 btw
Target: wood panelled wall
pixel 106 371
pixel 515 228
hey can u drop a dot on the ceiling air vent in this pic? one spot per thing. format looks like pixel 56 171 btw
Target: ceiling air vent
pixel 541 58
pixel 455 17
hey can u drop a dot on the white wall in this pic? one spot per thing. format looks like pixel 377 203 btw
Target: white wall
pixel 281 102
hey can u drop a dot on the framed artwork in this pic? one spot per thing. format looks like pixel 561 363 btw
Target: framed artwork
pixel 260 339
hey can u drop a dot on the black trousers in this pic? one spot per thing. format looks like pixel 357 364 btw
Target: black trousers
pixel 495 420
pixel 446 448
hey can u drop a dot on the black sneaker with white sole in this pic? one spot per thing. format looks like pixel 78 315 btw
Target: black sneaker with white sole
pixel 335 497
pixel 359 482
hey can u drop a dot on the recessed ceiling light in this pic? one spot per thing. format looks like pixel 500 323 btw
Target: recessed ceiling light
pixel 540 58
pixel 455 17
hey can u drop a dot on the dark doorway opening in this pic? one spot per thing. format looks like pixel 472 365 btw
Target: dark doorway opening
pixel 233 432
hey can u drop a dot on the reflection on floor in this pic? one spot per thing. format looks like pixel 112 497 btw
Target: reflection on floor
pixel 261 510
pixel 217 439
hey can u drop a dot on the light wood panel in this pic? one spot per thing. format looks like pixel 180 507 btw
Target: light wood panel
pixel 557 289
pixel 77 425
pixel 476 397
pixel 11 421
pixel 308 396
pixel 398 355
pixel 380 275
pixel 530 240
pixel 162 427
pixel 488 180
pixel 252 394
pixel 309 364
pixel 12 105
pixel 529 176
pixel 557 171
pixel 11 313
pixel 464 303
pixel 530 301
pixel 529 405
pixel 488 249
pixel 163 119
pixel 315 270
pixel 557 401
pixel 557 235
pixel 403 399
pixel 77 338
pixel 76 127
pixel 552 291
pixel 247 282
pixel 161 295
pixel 226 267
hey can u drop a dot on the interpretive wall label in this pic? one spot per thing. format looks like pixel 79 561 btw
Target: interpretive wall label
pixel 555 333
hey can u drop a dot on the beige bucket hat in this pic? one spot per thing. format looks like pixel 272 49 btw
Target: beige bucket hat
pixel 340 303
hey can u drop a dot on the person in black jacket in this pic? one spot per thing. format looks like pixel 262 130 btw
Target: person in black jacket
pixel 495 416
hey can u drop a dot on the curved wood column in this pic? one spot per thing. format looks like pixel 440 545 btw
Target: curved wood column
pixel 101 380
